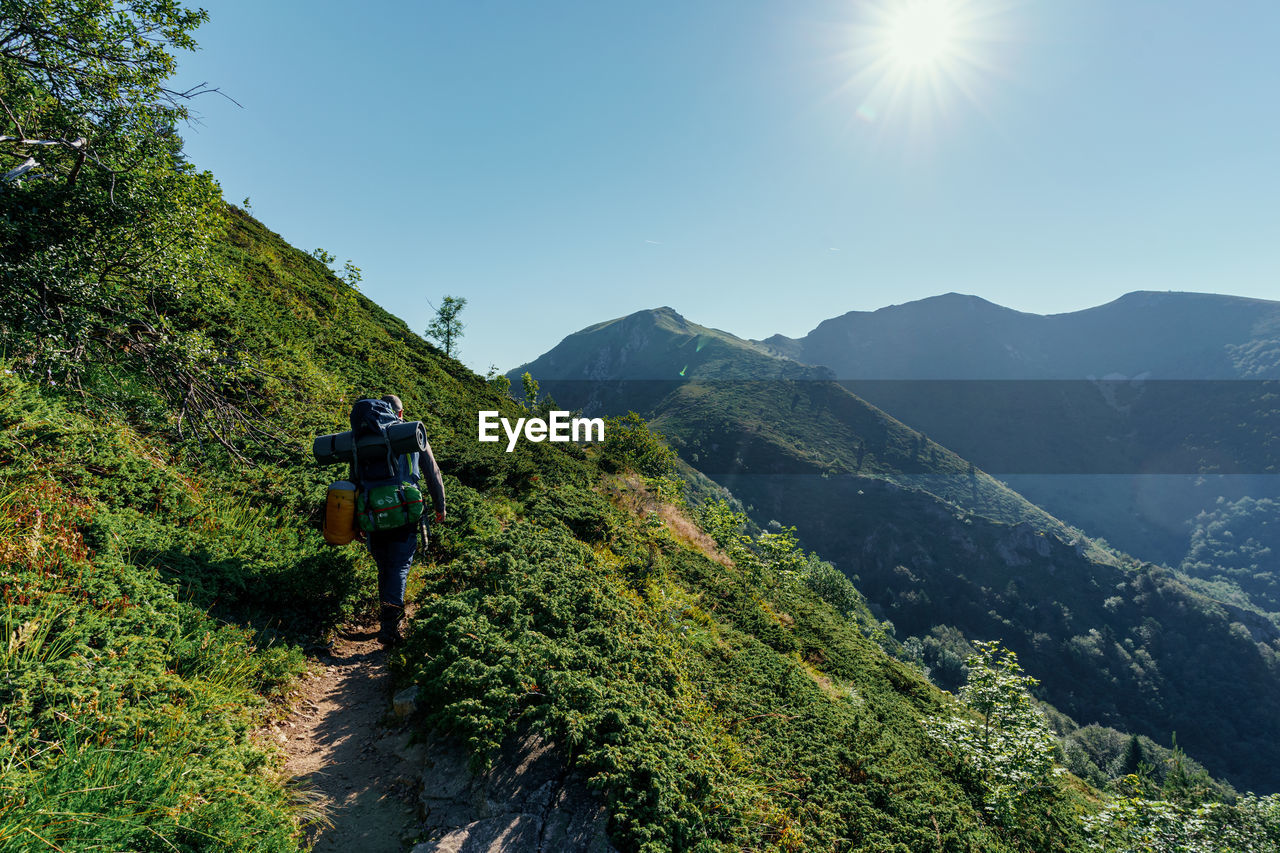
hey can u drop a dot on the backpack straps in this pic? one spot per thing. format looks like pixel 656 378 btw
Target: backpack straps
pixel 392 468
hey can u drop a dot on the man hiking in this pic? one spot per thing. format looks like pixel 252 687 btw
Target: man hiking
pixel 393 549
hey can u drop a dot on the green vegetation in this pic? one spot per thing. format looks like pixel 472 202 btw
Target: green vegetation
pixel 720 695
pixel 127 706
pixel 1008 747
pixel 168 360
pixel 1108 758
pixel 942 551
pixel 630 443
pixel 1234 548
pixel 1137 825
pixel 445 328
pixel 1128 646
pixel 103 241
pixel 716 705
pixel 530 387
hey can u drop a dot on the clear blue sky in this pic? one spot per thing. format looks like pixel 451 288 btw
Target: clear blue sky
pixel 749 163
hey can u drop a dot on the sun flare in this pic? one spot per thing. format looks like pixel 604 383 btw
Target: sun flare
pixel 915 62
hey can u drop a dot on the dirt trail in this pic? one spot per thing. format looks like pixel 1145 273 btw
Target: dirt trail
pixel 383 794
pixel 340 745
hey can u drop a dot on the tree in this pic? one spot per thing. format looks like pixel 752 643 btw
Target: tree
pixel 498 381
pixel 781 551
pixel 1134 824
pixel 1184 784
pixel 102 221
pixel 105 227
pixel 351 274
pixel 725 527
pixel 630 443
pixel 1009 751
pixel 446 328
pixel 84 84
pixel 1133 760
pixel 832 586
pixel 530 386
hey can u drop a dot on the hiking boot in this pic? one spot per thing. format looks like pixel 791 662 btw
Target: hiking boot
pixel 390 618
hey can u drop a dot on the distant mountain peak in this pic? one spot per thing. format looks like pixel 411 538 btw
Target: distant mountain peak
pixel 955 296
pixel 660 344
pixel 951 302
pixel 1167 334
pixel 1183 297
pixel 665 317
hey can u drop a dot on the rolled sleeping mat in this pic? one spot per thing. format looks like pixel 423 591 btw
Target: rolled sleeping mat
pixel 404 437
pixel 332 449
pixel 340 513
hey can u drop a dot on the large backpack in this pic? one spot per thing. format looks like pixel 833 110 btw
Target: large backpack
pixel 384 499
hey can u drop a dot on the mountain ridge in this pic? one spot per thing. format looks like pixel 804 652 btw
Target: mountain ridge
pixel 962 336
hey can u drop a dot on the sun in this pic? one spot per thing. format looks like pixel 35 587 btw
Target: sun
pixel 914 62
pixel 925 35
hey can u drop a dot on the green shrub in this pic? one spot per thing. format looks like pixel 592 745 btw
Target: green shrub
pixel 629 443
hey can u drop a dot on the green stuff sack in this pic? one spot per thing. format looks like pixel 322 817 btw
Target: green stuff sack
pixel 388 507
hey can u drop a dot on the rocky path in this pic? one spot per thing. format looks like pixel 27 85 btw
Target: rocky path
pixel 384 794
pixel 342 746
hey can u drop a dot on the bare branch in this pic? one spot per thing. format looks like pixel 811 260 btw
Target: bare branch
pixel 14 174
pixel 30 142
pixel 198 90
pixel 13 118
pixel 76 145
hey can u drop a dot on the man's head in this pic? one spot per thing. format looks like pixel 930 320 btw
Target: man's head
pixel 394 402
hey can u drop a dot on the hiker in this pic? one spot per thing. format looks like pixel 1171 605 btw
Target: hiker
pixel 393 549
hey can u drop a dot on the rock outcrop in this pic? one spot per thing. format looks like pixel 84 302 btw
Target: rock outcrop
pixel 529 802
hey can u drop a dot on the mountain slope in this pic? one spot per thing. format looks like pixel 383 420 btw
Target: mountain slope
pixel 732 408
pixel 1170 396
pixel 935 543
pixel 711 706
pixel 166 362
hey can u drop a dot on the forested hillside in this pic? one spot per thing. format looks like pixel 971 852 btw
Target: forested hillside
pixel 167 360
pixel 939 547
pixel 1127 419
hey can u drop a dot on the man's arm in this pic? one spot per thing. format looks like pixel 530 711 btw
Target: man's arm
pixel 430 471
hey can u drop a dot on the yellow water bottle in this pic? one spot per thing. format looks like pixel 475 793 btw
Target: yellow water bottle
pixel 340 513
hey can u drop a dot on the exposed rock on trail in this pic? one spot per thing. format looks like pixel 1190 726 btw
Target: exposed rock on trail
pixel 530 802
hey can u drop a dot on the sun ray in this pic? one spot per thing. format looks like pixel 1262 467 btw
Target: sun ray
pixel 915 61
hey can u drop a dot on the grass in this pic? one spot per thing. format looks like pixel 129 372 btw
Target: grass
pixel 28 635
pixel 73 792
pixel 127 709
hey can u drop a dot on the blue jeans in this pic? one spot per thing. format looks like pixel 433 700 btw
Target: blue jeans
pixel 393 551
